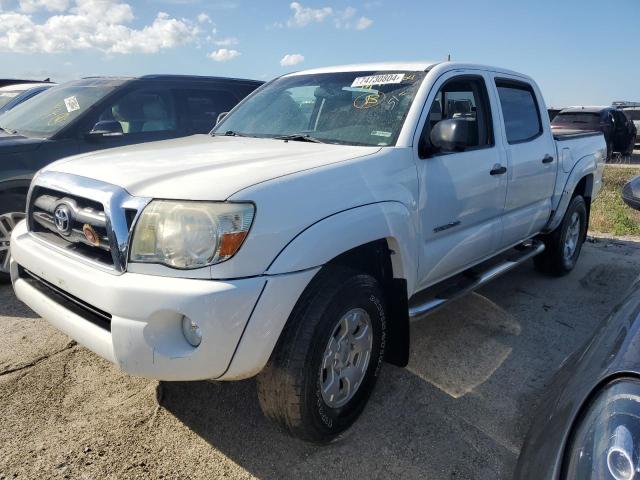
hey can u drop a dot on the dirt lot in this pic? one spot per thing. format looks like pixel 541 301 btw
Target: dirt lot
pixel 460 410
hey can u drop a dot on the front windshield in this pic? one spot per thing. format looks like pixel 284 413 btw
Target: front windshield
pixel 352 108
pixel 46 114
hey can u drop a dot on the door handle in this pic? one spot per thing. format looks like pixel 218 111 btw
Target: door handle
pixel 498 170
pixel 547 159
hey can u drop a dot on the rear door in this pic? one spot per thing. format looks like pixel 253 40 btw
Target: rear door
pixel 461 200
pixel 531 158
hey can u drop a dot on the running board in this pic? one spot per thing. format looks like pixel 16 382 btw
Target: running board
pixel 426 302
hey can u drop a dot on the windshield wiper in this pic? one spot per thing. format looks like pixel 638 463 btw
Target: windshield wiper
pixel 232 133
pixel 9 131
pixel 299 137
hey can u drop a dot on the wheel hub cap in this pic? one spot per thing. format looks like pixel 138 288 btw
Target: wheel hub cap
pixel 346 358
pixel 8 222
pixel 572 237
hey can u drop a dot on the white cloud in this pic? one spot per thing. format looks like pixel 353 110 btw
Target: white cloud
pixel 226 42
pixel 304 15
pixel 223 55
pixel 93 24
pixel 363 22
pixel 30 6
pixel 291 59
pixel 344 19
pixel 204 18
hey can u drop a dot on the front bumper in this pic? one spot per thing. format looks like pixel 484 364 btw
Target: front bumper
pixel 138 325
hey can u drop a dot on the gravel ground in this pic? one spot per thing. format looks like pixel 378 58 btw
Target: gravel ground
pixel 460 411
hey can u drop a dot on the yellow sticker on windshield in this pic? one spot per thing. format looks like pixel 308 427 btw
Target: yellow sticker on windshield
pixel 382 79
pixel 72 104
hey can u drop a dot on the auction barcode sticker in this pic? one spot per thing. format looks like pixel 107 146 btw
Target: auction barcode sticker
pixel 382 79
pixel 72 104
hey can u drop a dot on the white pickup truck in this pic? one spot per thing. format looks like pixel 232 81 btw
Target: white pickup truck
pixel 298 240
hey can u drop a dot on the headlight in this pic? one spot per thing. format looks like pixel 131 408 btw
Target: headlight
pixel 606 443
pixel 183 234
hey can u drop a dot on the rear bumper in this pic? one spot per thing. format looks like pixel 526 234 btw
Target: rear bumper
pixel 143 335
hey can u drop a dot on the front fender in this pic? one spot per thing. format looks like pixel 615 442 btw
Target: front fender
pixel 326 239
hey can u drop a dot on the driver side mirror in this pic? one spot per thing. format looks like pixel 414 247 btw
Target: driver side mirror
pixel 221 117
pixel 451 135
pixel 631 193
pixel 106 128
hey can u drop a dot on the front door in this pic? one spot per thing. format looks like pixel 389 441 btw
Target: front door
pixel 462 193
pixel 146 114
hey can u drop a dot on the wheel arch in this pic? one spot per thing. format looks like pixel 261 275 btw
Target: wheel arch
pixel 337 234
pixel 580 181
pixel 15 185
pixel 378 239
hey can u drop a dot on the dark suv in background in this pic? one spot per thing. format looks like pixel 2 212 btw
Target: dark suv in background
pixel 619 131
pixel 98 113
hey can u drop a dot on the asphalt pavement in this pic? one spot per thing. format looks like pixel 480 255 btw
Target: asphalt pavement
pixel 459 411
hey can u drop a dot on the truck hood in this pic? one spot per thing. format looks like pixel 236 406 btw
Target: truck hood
pixel 202 167
pixel 17 143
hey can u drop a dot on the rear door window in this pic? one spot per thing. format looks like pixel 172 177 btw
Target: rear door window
pixel 520 111
pixel 204 106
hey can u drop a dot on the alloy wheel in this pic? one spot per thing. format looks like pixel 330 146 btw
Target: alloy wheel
pixel 8 221
pixel 572 236
pixel 346 358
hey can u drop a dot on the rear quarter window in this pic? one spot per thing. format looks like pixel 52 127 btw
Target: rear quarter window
pixel 520 111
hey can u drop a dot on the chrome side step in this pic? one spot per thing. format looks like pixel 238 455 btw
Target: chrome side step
pixel 427 301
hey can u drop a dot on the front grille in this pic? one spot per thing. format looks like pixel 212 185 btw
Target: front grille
pixel 76 216
pixel 81 308
pixel 84 218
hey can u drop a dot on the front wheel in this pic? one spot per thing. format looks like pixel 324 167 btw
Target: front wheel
pixel 327 360
pixel 11 212
pixel 563 245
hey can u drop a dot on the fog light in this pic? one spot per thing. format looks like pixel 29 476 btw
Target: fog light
pixel 191 331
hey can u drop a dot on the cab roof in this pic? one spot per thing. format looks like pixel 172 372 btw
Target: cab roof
pixel 404 66
pixel 370 67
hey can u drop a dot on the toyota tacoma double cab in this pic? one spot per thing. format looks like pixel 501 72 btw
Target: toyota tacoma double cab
pixel 298 239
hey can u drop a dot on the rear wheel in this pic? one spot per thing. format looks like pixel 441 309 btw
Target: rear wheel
pixel 328 357
pixel 12 206
pixel 563 245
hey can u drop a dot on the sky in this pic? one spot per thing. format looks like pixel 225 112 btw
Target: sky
pixel 581 52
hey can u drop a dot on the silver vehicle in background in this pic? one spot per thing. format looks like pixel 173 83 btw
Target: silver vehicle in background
pixel 632 111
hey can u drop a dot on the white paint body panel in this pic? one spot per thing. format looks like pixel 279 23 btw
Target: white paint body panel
pixel 313 202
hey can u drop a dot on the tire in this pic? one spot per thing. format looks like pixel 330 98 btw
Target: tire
pixel 12 206
pixel 558 258
pixel 290 388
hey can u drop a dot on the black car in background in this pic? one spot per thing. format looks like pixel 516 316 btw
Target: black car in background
pixel 588 424
pixel 97 113
pixel 619 132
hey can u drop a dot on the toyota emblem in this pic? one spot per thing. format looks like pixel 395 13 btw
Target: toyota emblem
pixel 62 219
